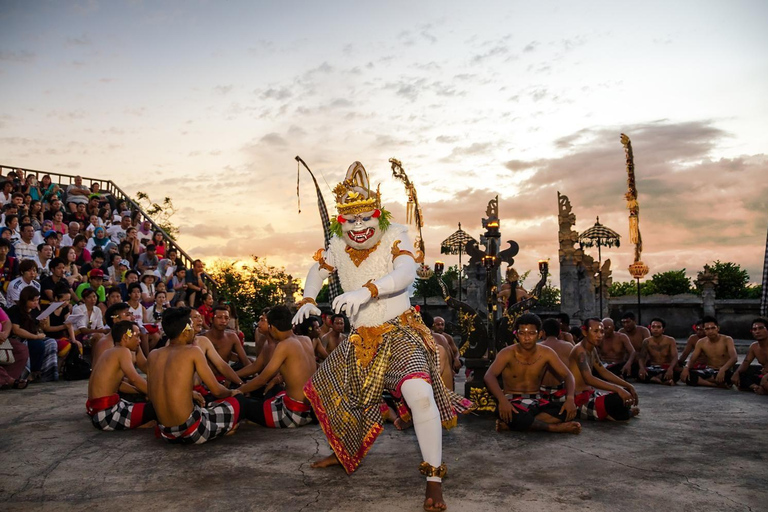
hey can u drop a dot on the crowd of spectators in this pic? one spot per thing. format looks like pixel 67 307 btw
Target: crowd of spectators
pixel 85 250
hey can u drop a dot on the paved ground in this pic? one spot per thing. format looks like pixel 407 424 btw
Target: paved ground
pixel 690 450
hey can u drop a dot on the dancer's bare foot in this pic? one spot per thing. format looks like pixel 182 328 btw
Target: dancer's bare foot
pixel 149 424
pixel 670 382
pixel 234 429
pixel 434 497
pixel 634 412
pixel 501 426
pixel 570 427
pixel 331 460
pixel 759 390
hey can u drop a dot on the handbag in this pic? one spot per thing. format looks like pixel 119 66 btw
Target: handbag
pixel 75 367
pixel 6 353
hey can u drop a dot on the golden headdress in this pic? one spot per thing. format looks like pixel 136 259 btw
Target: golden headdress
pixel 354 194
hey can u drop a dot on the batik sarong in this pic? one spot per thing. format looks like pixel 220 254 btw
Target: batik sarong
pixel 346 391
pixel 527 407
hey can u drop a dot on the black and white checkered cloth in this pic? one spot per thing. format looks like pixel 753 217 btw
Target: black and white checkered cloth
pixel 281 411
pixel 117 417
pixel 591 405
pixel 554 393
pixel 334 287
pixel 205 423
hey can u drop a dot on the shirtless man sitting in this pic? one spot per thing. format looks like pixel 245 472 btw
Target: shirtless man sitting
pixel 225 340
pixel 118 313
pixel 720 354
pixel 522 366
pixel 310 328
pixel 444 356
pixel 616 351
pixel 748 376
pixel 552 385
pixel 105 407
pixel 296 363
pixel 172 369
pixel 265 355
pixel 439 328
pixel 690 345
pixel 224 373
pixel 636 334
pixel 336 335
pixel 617 405
pixel 662 352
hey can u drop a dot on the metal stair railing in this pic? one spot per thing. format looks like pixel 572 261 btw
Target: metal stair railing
pixel 109 186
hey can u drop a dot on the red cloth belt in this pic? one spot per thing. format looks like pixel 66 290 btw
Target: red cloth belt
pixel 94 405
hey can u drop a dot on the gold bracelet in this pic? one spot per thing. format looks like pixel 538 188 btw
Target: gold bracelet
pixel 306 300
pixel 372 288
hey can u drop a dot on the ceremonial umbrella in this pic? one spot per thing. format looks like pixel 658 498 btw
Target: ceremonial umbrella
pixel 455 244
pixel 600 236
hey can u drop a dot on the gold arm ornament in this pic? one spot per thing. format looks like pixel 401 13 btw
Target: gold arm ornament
pixel 372 288
pixel 318 257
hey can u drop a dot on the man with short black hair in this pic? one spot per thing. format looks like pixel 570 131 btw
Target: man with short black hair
pixel 25 248
pixel 184 417
pixel 636 333
pixel 721 356
pixel 42 259
pixel 148 259
pixel 618 404
pixel 565 327
pixel 296 363
pixel 662 351
pixel 552 385
pixel 225 340
pixel 616 350
pixel 55 278
pixel 748 376
pixel 521 367
pixel 336 335
pixel 28 270
pixel 105 407
pixel 690 345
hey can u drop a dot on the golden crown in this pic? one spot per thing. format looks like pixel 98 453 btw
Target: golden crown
pixel 354 194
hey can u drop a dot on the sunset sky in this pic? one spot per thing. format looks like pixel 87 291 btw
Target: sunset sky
pixel 209 102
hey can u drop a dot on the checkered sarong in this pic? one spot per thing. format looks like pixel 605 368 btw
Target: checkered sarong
pixel 282 411
pixel 554 393
pixel 205 423
pixel 114 413
pixel 346 390
pixel 591 405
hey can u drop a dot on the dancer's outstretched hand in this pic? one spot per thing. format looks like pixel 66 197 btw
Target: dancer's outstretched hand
pixel 304 312
pixel 350 302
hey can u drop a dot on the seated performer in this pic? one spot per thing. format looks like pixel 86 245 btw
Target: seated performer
pixel 444 358
pixel 720 354
pixel 748 376
pixel 662 351
pixel 267 349
pixel 105 407
pixel 616 351
pixel 439 328
pixel 296 363
pixel 565 328
pixel 521 366
pixel 116 313
pixel 389 346
pixel 690 345
pixel 225 340
pixel 636 334
pixel 223 372
pixel 552 385
pixel 170 381
pixel 335 335
pixel 310 329
pixel 614 406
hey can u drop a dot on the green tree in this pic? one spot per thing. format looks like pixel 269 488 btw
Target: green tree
pixel 251 287
pixel 619 289
pixel 550 296
pixel 160 213
pixel 671 282
pixel 731 280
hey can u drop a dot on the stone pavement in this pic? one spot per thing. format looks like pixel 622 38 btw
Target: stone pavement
pixel 691 449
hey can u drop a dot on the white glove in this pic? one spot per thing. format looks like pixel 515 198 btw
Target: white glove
pixel 305 312
pixel 351 301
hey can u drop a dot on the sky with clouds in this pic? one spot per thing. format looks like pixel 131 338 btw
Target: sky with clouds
pixel 209 102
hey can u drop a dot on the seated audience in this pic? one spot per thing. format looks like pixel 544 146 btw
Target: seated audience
pixel 11 375
pixel 44 363
pixel 552 384
pixel 27 279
